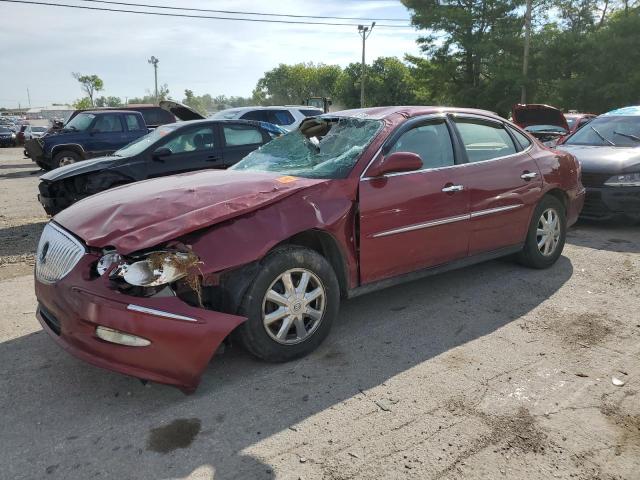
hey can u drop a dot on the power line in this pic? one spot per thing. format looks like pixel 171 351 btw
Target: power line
pixel 235 12
pixel 184 15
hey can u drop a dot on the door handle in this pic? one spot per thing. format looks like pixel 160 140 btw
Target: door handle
pixel 528 175
pixel 453 188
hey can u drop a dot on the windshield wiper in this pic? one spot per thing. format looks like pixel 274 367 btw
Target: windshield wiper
pixel 628 135
pixel 602 136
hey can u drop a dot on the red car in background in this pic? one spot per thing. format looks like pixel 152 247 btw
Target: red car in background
pixel 577 120
pixel 148 279
pixel 548 124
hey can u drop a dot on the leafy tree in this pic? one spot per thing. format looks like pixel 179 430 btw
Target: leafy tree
pixel 389 82
pixel 108 102
pixel 293 84
pixel 83 103
pixel 149 97
pixel 89 84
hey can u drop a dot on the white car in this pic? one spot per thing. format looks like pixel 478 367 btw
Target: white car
pixel 37 132
pixel 288 117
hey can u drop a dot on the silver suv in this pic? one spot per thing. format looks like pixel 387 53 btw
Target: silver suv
pixel 288 117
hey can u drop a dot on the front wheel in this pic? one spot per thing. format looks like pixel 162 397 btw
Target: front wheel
pixel 290 305
pixel 66 157
pixel 546 236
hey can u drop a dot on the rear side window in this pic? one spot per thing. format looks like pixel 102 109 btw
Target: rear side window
pixel 134 122
pixel 522 139
pixel 280 117
pixel 432 143
pixel 156 116
pixel 259 115
pixel 310 113
pixel 484 141
pixel 236 135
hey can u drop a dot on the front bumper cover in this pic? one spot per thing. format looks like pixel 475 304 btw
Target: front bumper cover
pixel 605 203
pixel 35 151
pixel 71 309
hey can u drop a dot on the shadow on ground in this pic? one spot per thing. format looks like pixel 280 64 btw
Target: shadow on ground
pixel 20 239
pixel 65 419
pixel 614 236
pixel 14 166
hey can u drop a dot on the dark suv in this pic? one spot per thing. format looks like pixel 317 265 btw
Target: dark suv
pixel 153 115
pixel 88 134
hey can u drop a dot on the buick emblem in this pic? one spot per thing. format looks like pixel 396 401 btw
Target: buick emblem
pixel 43 254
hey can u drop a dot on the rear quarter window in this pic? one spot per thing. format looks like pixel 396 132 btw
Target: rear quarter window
pixel 156 116
pixel 310 113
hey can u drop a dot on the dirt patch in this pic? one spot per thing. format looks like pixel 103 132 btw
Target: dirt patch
pixel 628 426
pixel 19 240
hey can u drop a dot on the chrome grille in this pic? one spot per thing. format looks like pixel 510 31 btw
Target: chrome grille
pixel 58 252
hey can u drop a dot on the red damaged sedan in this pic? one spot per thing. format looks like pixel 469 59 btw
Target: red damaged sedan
pixel 148 279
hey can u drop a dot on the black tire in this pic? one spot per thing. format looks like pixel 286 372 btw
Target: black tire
pixel 253 333
pixel 531 255
pixel 60 157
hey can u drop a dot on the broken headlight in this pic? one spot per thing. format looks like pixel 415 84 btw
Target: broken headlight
pixel 155 269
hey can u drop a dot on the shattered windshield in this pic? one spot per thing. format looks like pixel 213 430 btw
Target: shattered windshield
pixel 320 148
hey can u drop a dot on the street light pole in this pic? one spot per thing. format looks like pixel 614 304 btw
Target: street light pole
pixel 154 61
pixel 525 60
pixel 364 32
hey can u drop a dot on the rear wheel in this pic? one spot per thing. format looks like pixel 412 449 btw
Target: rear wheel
pixel 546 235
pixel 290 305
pixel 66 157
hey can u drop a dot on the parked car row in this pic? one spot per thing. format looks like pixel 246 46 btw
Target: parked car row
pixel 148 279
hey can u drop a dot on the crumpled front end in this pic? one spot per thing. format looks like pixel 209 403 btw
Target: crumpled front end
pixel 35 151
pixel 157 338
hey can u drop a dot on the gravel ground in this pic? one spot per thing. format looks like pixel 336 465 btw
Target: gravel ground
pixel 493 371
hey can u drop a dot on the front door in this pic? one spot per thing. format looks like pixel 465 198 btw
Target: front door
pixel 503 180
pixel 195 148
pixel 414 220
pixel 107 135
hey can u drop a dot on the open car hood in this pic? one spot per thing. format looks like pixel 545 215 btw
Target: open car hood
pixel 180 111
pixel 538 114
pixel 144 214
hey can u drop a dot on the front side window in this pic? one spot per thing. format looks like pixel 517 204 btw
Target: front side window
pixel 432 143
pixel 618 131
pixel 280 117
pixel 484 141
pixel 237 135
pixel 192 141
pixel 258 115
pixel 108 123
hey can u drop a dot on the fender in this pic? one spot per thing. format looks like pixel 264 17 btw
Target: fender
pixel 75 147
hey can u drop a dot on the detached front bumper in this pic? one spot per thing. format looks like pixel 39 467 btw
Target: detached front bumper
pixel 183 338
pixel 606 203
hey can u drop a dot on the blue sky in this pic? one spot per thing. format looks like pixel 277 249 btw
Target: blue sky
pixel 43 45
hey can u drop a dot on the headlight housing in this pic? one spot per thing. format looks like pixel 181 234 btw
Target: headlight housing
pixel 624 180
pixel 154 269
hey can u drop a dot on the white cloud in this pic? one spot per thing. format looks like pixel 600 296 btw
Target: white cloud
pixel 43 45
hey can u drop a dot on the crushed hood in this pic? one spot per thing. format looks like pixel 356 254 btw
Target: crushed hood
pixel 605 159
pixel 538 114
pixel 79 168
pixel 180 111
pixel 145 214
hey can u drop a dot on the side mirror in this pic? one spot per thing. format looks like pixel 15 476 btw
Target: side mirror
pixel 160 153
pixel 395 163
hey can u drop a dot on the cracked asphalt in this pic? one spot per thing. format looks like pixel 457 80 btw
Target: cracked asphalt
pixel 494 371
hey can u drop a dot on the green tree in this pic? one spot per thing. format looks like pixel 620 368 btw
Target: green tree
pixel 108 102
pixel 83 104
pixel 293 84
pixel 90 84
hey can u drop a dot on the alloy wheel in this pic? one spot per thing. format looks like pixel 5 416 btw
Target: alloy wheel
pixel 548 232
pixel 67 161
pixel 293 307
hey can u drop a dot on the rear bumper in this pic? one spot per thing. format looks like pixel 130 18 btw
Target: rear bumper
pixel 7 142
pixel 180 350
pixel 606 203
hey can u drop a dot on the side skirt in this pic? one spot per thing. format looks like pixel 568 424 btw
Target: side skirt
pixel 426 272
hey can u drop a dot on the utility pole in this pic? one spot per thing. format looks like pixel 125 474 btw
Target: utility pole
pixel 29 97
pixel 364 32
pixel 154 61
pixel 525 60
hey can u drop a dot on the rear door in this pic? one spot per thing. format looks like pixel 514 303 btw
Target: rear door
pixel 503 181
pixel 414 220
pixel 193 148
pixel 239 140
